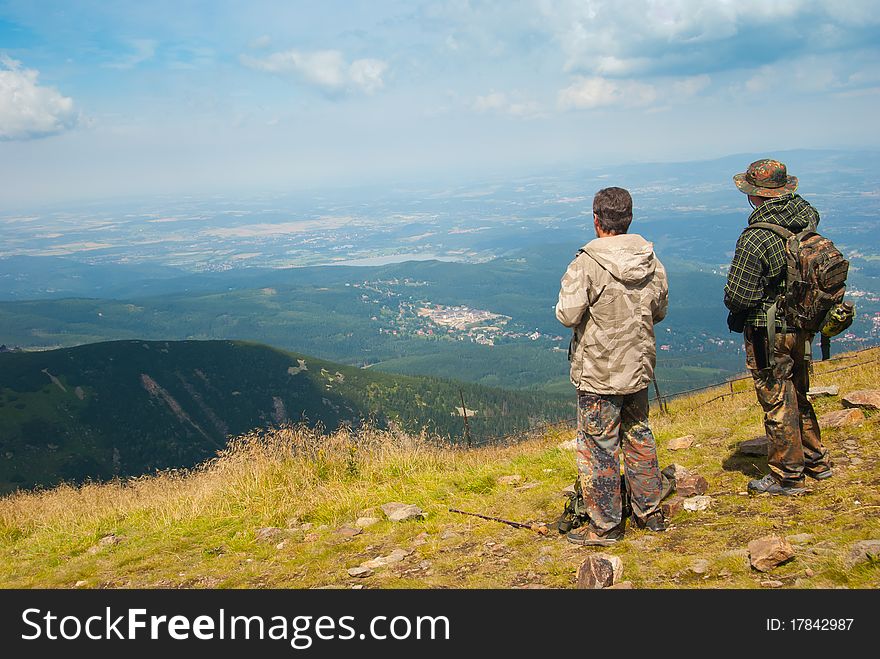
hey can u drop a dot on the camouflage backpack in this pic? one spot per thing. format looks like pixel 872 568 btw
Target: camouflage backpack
pixel 815 279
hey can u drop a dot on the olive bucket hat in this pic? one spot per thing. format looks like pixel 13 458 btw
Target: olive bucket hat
pixel 766 178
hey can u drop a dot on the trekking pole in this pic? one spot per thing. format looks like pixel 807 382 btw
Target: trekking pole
pixel 662 404
pixel 539 528
pixel 467 428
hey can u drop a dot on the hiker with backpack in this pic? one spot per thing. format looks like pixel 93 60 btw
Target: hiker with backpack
pixel 785 282
pixel 611 295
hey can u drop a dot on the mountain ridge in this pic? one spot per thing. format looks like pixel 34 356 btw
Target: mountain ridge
pixel 124 408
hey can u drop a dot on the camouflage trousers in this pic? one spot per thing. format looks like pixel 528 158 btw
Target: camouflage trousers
pixel 781 386
pixel 607 424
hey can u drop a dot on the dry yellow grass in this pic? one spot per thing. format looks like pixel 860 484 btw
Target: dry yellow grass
pixel 199 528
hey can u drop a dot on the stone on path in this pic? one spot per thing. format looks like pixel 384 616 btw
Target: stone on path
pixel 799 538
pixel 868 399
pixel 757 446
pixel 103 543
pixel 401 512
pixel 671 506
pixel 698 503
pixel 818 392
pixel 691 485
pixel 769 552
pixel 268 534
pixel 359 572
pixel 700 566
pixel 348 531
pixel 599 571
pixel 381 561
pixel 680 443
pixel 864 550
pixel 676 471
pixel 841 418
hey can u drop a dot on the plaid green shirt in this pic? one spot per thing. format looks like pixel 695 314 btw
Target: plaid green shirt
pixel 757 271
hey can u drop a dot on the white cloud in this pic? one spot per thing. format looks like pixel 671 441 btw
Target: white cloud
pixel 815 75
pixel 501 103
pixel 28 110
pixel 618 39
pixel 366 74
pixel 326 69
pixel 595 92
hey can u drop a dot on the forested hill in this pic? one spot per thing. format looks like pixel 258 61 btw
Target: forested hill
pixel 130 407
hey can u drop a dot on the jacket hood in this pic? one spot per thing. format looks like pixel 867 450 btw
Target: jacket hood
pixel 628 257
pixel 791 211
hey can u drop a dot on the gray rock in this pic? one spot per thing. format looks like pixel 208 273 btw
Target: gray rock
pixel 700 566
pixel 841 418
pixel 348 531
pixel 359 572
pixel 599 571
pixel 868 399
pixel 680 443
pixel 402 512
pixel 448 534
pixel 672 505
pixel 103 543
pixel 800 538
pixel 676 471
pixel 381 561
pixel 268 534
pixel 772 584
pixel 364 522
pixel 864 550
pixel 769 552
pixel 756 446
pixel 698 503
pixel 735 553
pixel 691 485
pixel 819 392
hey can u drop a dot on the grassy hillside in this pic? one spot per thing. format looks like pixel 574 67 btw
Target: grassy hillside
pixel 126 408
pixel 206 528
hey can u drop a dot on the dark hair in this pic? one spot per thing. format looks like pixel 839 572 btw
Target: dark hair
pixel 614 207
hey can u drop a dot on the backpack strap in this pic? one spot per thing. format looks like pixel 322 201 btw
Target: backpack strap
pixel 791 274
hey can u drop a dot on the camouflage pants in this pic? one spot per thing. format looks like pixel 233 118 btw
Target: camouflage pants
pixel 607 424
pixel 792 430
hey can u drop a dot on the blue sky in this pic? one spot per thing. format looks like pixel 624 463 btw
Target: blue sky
pixel 106 99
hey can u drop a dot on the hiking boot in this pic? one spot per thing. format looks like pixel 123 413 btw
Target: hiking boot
pixel 653 522
pixel 819 474
pixel 587 536
pixel 770 485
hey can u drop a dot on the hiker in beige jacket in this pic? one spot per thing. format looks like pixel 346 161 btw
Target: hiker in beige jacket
pixel 611 295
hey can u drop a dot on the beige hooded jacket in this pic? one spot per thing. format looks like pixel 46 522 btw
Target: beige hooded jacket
pixel 611 295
